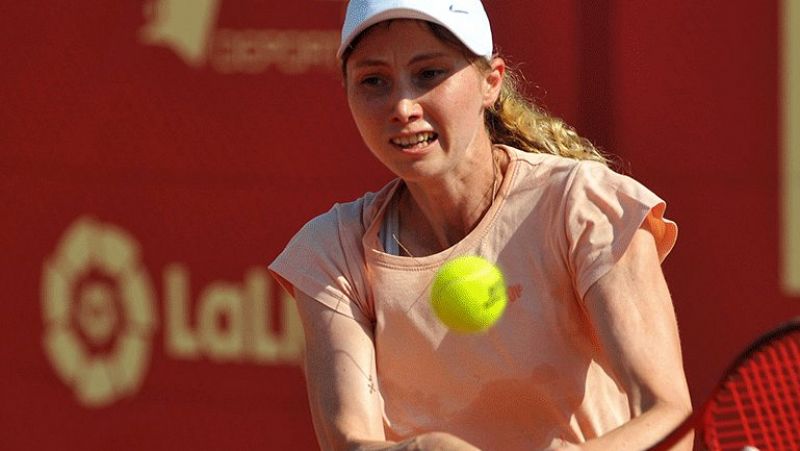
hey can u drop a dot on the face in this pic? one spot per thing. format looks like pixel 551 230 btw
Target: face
pixel 417 102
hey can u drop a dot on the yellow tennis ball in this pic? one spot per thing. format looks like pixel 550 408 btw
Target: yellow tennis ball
pixel 469 294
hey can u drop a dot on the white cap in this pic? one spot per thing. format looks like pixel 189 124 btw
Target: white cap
pixel 466 19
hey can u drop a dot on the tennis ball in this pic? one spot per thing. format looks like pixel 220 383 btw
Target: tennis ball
pixel 469 294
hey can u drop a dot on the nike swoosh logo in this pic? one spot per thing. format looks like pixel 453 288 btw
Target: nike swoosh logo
pixel 456 10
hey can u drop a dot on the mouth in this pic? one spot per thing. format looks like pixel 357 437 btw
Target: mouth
pixel 415 141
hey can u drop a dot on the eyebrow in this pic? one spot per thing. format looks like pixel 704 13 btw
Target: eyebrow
pixel 414 60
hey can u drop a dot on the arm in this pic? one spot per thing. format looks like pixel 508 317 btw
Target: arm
pixel 342 385
pixel 631 311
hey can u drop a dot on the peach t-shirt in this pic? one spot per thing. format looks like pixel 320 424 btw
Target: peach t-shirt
pixel 556 227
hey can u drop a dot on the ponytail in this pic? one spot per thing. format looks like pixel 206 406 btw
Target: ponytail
pixel 517 122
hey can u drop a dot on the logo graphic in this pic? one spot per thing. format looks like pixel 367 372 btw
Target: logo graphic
pixel 188 28
pixel 98 312
pixel 514 292
pixel 182 25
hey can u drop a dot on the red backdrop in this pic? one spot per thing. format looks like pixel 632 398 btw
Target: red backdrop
pixel 156 154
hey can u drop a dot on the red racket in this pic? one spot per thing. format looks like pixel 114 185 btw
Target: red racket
pixel 756 404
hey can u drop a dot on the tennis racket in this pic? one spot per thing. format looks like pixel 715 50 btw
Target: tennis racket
pixel 756 404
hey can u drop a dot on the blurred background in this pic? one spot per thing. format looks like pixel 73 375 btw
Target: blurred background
pixel 155 155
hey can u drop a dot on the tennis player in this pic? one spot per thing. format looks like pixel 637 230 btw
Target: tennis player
pixel 587 354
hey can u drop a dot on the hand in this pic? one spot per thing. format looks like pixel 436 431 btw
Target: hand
pixel 562 445
pixel 434 441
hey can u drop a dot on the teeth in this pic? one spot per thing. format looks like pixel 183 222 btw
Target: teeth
pixel 408 141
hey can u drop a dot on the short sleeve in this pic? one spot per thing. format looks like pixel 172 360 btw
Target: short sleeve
pixel 603 211
pixel 323 260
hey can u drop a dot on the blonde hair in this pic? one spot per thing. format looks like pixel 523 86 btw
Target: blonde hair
pixel 513 120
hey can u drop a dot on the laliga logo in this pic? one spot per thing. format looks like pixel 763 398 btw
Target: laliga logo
pixel 94 286
pixel 99 314
pixel 187 27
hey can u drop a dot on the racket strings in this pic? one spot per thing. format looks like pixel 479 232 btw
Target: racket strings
pixel 759 404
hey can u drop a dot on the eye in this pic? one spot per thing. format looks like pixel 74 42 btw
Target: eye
pixel 430 74
pixel 372 81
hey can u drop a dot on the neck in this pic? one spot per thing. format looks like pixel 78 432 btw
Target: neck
pixel 435 217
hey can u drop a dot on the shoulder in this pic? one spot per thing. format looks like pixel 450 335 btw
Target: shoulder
pixel 551 172
pixel 596 181
pixel 570 179
pixel 332 240
pixel 565 174
pixel 346 220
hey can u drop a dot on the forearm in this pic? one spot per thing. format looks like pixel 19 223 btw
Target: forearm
pixel 440 441
pixel 644 431
pixel 371 445
pixel 409 444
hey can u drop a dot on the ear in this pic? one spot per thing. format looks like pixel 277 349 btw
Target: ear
pixel 493 81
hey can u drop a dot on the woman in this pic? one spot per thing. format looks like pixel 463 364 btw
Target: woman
pixel 586 355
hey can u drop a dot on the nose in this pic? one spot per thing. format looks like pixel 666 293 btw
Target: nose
pixel 406 109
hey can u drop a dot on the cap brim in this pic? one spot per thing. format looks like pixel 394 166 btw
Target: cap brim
pixel 389 14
